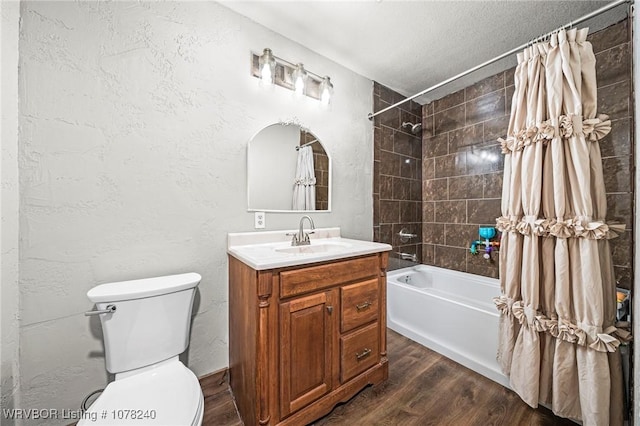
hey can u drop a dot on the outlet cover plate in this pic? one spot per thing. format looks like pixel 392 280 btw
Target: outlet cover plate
pixel 259 220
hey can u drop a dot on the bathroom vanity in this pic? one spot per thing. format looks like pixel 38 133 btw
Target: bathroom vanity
pixel 307 324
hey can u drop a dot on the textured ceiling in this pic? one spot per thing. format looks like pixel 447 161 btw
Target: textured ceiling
pixel 412 45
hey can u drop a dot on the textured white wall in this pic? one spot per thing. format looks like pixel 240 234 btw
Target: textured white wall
pixel 9 296
pixel 134 121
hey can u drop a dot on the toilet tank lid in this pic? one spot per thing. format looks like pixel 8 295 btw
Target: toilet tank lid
pixel 147 287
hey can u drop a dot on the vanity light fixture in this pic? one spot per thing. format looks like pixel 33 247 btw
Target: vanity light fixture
pixel 272 70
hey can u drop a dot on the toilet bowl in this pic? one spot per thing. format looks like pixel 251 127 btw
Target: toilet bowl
pixel 146 326
pixel 165 394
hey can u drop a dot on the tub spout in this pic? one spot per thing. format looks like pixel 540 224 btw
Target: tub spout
pixel 408 256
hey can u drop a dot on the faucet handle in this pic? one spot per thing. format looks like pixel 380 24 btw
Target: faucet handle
pixel 294 237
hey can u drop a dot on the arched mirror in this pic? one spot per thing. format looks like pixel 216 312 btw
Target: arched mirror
pixel 288 170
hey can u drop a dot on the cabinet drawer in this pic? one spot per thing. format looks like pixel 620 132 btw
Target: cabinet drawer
pixel 358 351
pixel 305 280
pixel 359 304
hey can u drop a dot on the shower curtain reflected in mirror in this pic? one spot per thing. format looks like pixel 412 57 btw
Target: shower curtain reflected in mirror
pixel 558 333
pixel 304 185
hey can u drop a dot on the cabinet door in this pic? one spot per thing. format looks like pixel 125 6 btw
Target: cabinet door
pixel 306 327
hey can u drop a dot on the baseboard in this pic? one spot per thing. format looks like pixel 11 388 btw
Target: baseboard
pixel 215 382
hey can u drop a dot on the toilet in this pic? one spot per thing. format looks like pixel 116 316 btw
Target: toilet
pixel 146 326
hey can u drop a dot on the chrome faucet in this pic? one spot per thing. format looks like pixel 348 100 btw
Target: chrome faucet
pixel 302 238
pixel 408 256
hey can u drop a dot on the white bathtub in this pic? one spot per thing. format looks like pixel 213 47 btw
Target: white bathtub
pixel 449 312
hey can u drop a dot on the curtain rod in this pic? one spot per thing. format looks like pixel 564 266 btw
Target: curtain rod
pixel 504 55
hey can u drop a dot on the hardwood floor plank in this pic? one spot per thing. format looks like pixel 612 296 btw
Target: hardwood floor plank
pixel 424 389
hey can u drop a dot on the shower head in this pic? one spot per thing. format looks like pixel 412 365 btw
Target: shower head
pixel 413 128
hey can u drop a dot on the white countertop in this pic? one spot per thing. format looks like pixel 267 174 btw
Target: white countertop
pixel 263 250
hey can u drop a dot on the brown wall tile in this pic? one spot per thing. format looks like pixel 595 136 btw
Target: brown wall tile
pixel 483 212
pixel 448 101
pixel 610 36
pixel 435 190
pixel 450 119
pixel 492 185
pixel 465 187
pixel 496 128
pixel 613 65
pixel 401 189
pixel 620 249
pixel 466 138
pixel 620 208
pixel 428 168
pixel 410 212
pixel 618 141
pixel 614 100
pixel 386 187
pixel 451 258
pixel 398 174
pixel 389 211
pixel 436 146
pixel 485 107
pixel 617 176
pixel 476 264
pixel 409 167
pixel 386 142
pixel 488 85
pixel 451 211
pixel 428 211
pixel 389 163
pixel 460 235
pixel 451 165
pixel 427 126
pixel 433 233
pixel 485 160
pixel 428 253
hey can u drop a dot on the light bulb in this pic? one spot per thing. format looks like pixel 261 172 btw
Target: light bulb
pixel 299 86
pixel 267 65
pixel 265 74
pixel 299 76
pixel 326 90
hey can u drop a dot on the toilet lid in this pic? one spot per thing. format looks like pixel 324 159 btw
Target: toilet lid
pixel 165 396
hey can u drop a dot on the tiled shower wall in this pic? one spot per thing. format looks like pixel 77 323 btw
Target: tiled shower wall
pixel 397 176
pixel 462 162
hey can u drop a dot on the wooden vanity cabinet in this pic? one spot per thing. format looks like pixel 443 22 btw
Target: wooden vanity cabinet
pixel 305 338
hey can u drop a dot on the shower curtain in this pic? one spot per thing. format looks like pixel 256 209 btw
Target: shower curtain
pixel 304 185
pixel 558 336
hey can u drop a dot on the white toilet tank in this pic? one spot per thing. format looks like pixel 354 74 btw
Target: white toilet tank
pixel 151 321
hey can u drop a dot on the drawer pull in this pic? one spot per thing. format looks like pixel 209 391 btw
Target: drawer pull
pixel 363 306
pixel 363 354
pixel 330 309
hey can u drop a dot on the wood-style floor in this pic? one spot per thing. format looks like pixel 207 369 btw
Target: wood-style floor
pixel 424 388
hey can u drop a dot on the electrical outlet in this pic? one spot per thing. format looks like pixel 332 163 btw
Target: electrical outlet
pixel 259 220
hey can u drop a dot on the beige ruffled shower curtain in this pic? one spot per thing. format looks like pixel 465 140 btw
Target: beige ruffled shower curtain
pixel 558 338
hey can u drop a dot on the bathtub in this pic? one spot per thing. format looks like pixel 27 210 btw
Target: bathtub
pixel 449 312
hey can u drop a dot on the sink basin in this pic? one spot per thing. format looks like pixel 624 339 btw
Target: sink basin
pixel 264 250
pixel 314 248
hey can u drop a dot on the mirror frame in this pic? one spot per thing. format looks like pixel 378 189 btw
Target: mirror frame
pixel 330 171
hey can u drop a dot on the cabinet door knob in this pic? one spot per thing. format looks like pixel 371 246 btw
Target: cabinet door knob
pixel 330 309
pixel 365 353
pixel 363 306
